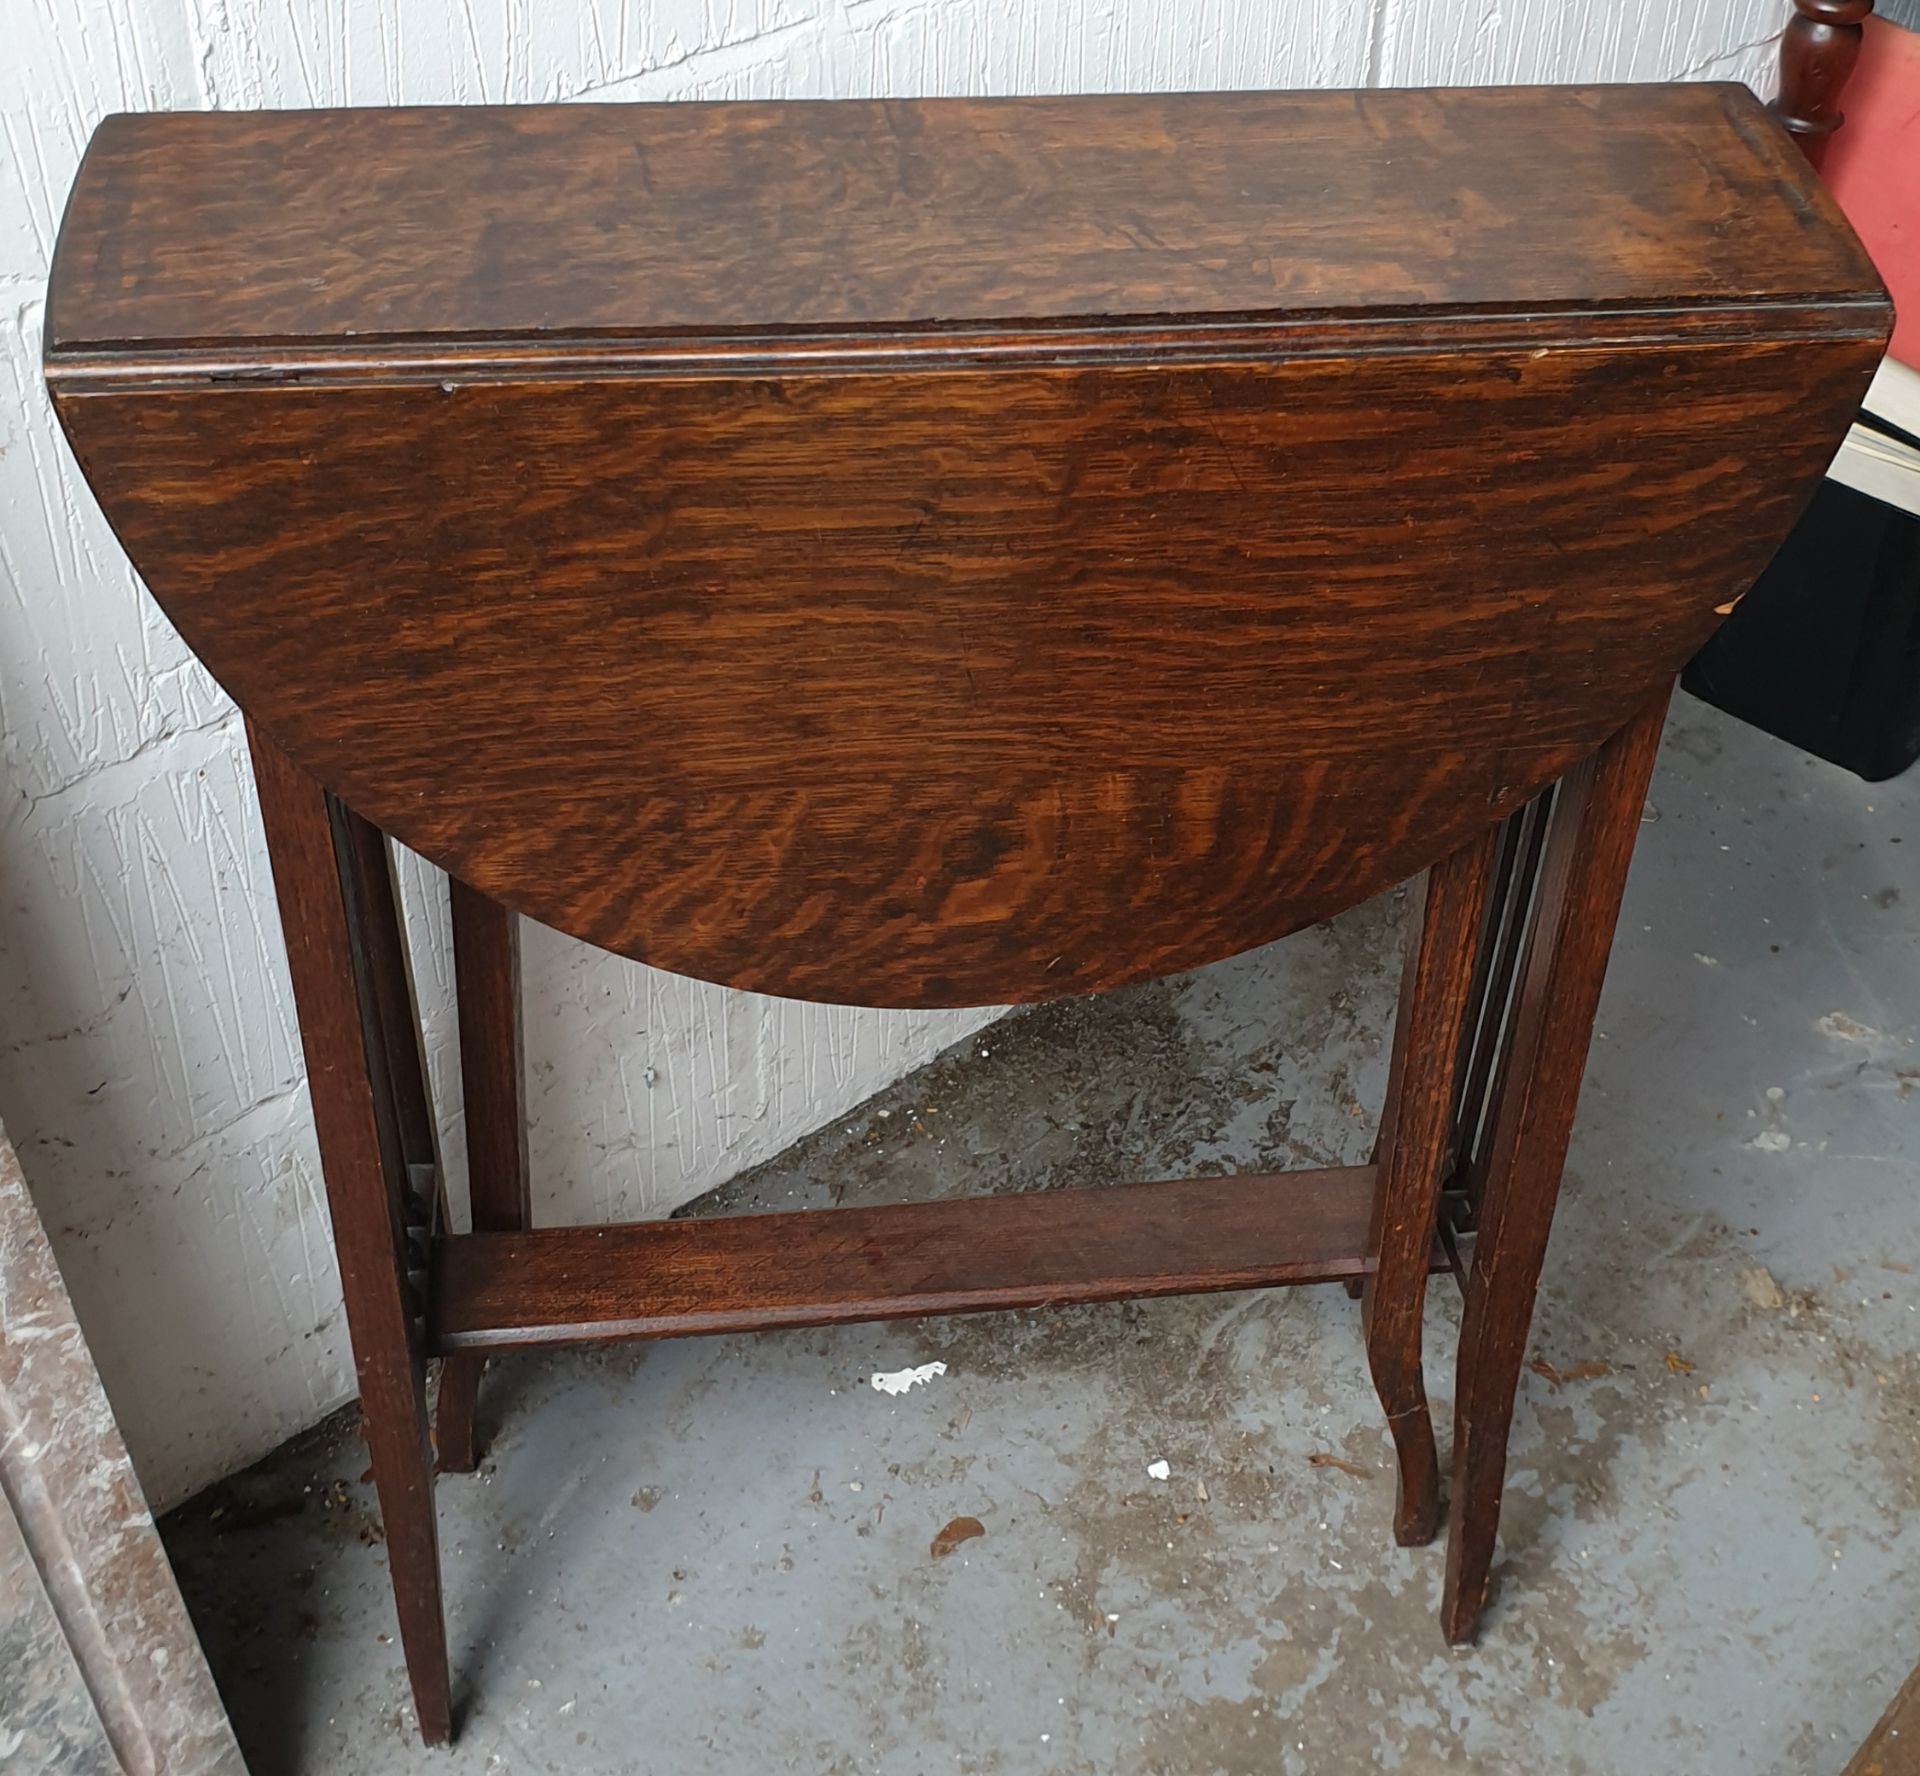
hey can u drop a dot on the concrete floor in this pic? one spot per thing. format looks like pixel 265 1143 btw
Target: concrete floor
pixel 715 1556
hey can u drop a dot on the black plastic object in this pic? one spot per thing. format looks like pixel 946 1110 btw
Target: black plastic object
pixel 1824 652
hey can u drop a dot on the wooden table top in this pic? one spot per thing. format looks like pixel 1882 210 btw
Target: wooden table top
pixel 677 220
pixel 945 552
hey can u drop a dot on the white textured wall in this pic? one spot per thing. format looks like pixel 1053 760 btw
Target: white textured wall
pixel 149 1065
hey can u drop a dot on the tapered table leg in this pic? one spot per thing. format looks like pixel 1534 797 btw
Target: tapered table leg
pixel 379 1225
pixel 1416 1129
pixel 1595 820
pixel 392 977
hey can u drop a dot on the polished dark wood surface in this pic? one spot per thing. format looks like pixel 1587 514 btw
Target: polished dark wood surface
pixel 486 966
pixel 1818 50
pixel 946 553
pixel 1416 1127
pixel 944 667
pixel 486 962
pixel 693 220
pixel 1592 824
pixel 322 873
pixel 755 1273
pixel 948 689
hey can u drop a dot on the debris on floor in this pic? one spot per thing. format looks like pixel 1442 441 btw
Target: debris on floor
pixel 1557 1378
pixel 1668 1595
pixel 1762 1288
pixel 961 1529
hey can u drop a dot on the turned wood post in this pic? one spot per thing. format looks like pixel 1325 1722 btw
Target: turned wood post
pixel 1817 52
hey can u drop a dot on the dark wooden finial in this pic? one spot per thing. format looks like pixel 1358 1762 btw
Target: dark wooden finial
pixel 1817 52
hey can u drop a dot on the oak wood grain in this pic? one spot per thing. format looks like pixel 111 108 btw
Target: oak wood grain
pixel 1594 822
pixel 319 874
pixel 1436 997
pixel 486 967
pixel 951 688
pixel 744 1273
pixel 935 554
pixel 697 219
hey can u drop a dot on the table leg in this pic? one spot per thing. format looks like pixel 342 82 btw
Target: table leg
pixel 1416 1129
pixel 1509 912
pixel 379 1225
pixel 486 967
pixel 1595 820
pixel 392 976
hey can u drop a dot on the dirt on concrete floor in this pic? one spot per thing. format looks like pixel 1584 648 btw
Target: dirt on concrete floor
pixel 721 1555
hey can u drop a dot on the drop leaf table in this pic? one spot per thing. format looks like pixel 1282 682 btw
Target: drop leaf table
pixel 945 553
